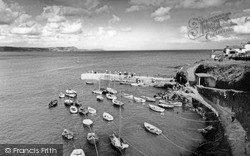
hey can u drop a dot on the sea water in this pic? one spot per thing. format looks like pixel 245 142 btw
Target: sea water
pixel 30 80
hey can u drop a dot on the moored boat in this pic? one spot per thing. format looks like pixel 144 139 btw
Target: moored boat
pixel 107 116
pixel 53 103
pixel 73 109
pixel 68 102
pixel 67 134
pixel 111 90
pixel 134 84
pixel 156 108
pixel 111 96
pixel 138 99
pixel 83 110
pixel 176 104
pixel 117 103
pixel 71 93
pixel 77 152
pixel 89 83
pixel 91 110
pixel 61 95
pixel 87 122
pixel 152 128
pixel 168 106
pixel 118 143
pixel 128 96
pixel 97 91
pixel 150 99
pixel 92 138
pixel 164 102
pixel 99 98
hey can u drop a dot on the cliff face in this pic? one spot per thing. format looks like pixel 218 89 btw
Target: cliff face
pixel 230 74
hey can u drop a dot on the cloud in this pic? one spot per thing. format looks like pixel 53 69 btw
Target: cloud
pixel 153 2
pixel 105 33
pixel 161 14
pixel 127 29
pixel 91 4
pixel 134 8
pixel 198 4
pixel 115 19
pixel 25 30
pixel 102 9
pixel 219 38
pixel 8 13
pixel 243 29
pixel 71 28
pixel 184 30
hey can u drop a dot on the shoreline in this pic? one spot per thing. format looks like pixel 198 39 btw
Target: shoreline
pixel 233 132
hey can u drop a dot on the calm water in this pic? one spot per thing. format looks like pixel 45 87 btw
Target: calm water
pixel 29 81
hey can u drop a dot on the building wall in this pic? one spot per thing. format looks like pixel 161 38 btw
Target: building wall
pixel 206 81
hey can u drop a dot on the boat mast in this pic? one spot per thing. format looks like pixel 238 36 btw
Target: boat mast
pixel 120 117
pixel 99 83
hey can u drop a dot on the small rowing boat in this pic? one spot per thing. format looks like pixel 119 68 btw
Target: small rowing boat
pixel 107 116
pixel 87 122
pixel 138 99
pixel 128 96
pixel 68 102
pixel 73 109
pixel 83 110
pixel 97 91
pixel 61 95
pixel 77 152
pixel 111 90
pixel 152 128
pixel 117 103
pixel 99 98
pixel 169 106
pixel 53 103
pixel 156 108
pixel 91 110
pixel 118 143
pixel 67 134
pixel 71 93
pixel 176 104
pixel 89 83
pixel 111 96
pixel 92 138
pixel 150 99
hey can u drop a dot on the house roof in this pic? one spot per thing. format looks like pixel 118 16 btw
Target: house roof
pixel 204 75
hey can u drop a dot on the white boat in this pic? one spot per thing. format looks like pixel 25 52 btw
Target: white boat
pixel 97 91
pixel 71 91
pixel 164 102
pixel 68 102
pixel 117 103
pixel 134 84
pixel 61 95
pixel 107 116
pixel 111 90
pixel 140 100
pixel 176 104
pixel 152 128
pixel 118 143
pixel 87 122
pixel 89 83
pixel 111 96
pixel 67 134
pixel 150 99
pixel 92 138
pixel 91 110
pixel 169 106
pixel 128 96
pixel 77 152
pixel 73 109
pixel 99 98
pixel 156 108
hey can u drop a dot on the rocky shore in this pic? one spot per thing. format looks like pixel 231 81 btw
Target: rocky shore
pixel 230 95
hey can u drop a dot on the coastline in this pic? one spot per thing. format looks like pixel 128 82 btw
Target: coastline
pixel 233 132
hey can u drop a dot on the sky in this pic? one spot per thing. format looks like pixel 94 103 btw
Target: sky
pixel 123 24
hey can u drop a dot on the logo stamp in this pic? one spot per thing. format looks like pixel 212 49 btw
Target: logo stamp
pixel 210 27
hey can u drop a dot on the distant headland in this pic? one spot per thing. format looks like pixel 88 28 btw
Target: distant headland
pixel 44 49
